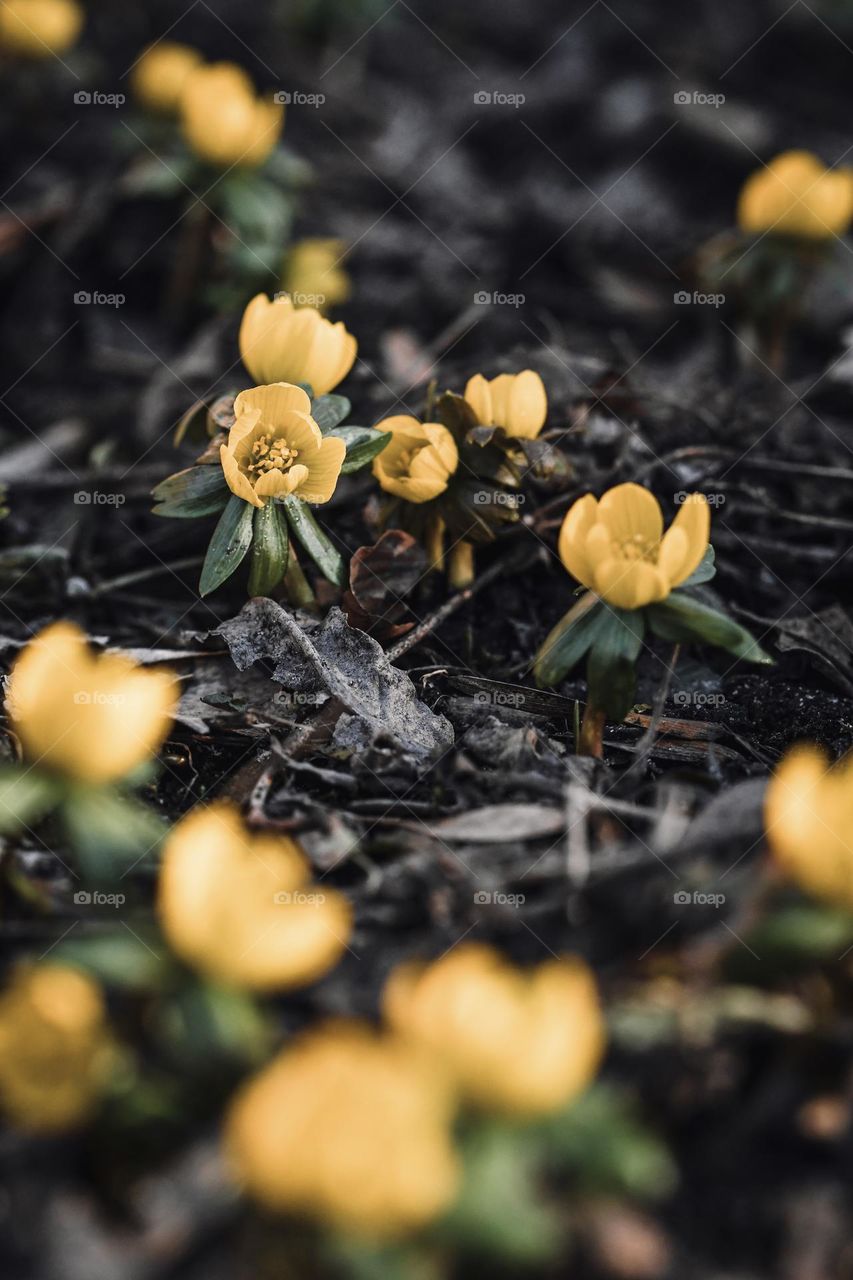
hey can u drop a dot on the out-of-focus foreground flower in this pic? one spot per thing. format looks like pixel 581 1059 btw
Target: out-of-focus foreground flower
pixel 91 718
pixel 795 195
pixel 39 28
pixel 523 1043
pixel 418 460
pixel 514 401
pixel 349 1128
pixel 809 821
pixel 313 275
pixel 275 448
pixel 161 74
pixel 224 121
pixel 56 1053
pixel 283 343
pixel 240 907
pixel 617 548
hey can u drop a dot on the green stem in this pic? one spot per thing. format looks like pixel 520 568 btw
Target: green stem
pixel 591 740
pixel 296 586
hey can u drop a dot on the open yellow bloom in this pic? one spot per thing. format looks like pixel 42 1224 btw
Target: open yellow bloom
pixel 313 274
pixel 224 120
pixel 418 460
pixel 520 1043
pixel 617 548
pixel 283 343
pixel 808 813
pixel 796 196
pixel 94 718
pixel 276 448
pixel 239 907
pixel 39 28
pixel 161 74
pixel 515 401
pixel 56 1052
pixel 348 1128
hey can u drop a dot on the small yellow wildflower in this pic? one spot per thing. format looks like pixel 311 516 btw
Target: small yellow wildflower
pixel 276 448
pixel 418 460
pixel 515 401
pixel 520 1043
pixel 239 907
pixel 809 819
pixel 224 120
pixel 161 74
pixel 283 343
pixel 795 195
pixel 348 1128
pixel 313 274
pixel 55 1049
pixel 39 28
pixel 93 718
pixel 617 548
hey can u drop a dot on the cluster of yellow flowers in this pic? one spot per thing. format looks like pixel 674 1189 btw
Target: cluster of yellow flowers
pixel 795 195
pixel 39 28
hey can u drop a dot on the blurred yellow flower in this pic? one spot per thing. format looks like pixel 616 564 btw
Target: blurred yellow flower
pixel 418 460
pixel 276 448
pixel 515 401
pixel 39 28
pixel 518 1042
pixel 349 1128
pixel 94 718
pixel 56 1052
pixel 159 77
pixel 283 343
pixel 617 548
pixel 796 196
pixel 240 908
pixel 808 814
pixel 313 275
pixel 224 120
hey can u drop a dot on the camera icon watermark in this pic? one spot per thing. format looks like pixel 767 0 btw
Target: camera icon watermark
pixel 500 698
pixel 94 98
pixel 712 499
pixel 485 897
pixel 683 298
pixel 286 98
pixel 291 698
pixel 286 898
pixel 85 898
pixel 96 698
pixel 683 698
pixel 498 498
pixel 83 298
pixel 487 298
pixel 95 498
pixel 695 98
pixel 698 899
pixel 497 98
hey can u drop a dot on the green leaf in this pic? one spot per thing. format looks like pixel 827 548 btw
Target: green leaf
pixel 329 411
pixel 197 491
pixel 308 533
pixel 269 549
pixel 681 617
pixel 109 832
pixel 455 413
pixel 363 444
pixel 611 665
pixel 704 571
pixel 803 932
pixel 136 960
pixel 231 539
pixel 567 643
pixel 204 1022
pixel 26 796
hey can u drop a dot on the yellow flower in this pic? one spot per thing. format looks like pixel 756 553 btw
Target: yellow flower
pixel 515 401
pixel 276 448
pixel 161 73
pixel 313 275
pixel 280 343
pixel 239 907
pixel 418 460
pixel 94 718
pixel 796 196
pixel 39 28
pixel 55 1049
pixel 348 1128
pixel 224 121
pixel 808 814
pixel 617 547
pixel 520 1043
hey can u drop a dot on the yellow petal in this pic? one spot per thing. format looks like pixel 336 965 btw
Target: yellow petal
pixel 571 545
pixel 629 511
pixel 694 521
pixel 629 584
pixel 237 482
pixel 528 405
pixel 272 400
pixel 324 468
pixel 479 397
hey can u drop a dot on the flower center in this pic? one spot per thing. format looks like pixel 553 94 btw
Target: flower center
pixel 270 455
pixel 636 548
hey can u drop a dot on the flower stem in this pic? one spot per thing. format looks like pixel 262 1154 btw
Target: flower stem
pixel 296 586
pixel 591 737
pixel 460 570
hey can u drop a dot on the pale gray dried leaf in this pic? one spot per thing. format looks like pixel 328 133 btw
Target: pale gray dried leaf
pixel 501 823
pixel 379 701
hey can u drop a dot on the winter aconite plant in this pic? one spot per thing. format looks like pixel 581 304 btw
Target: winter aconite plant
pixel 273 452
pixel 636 577
pixel 809 823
